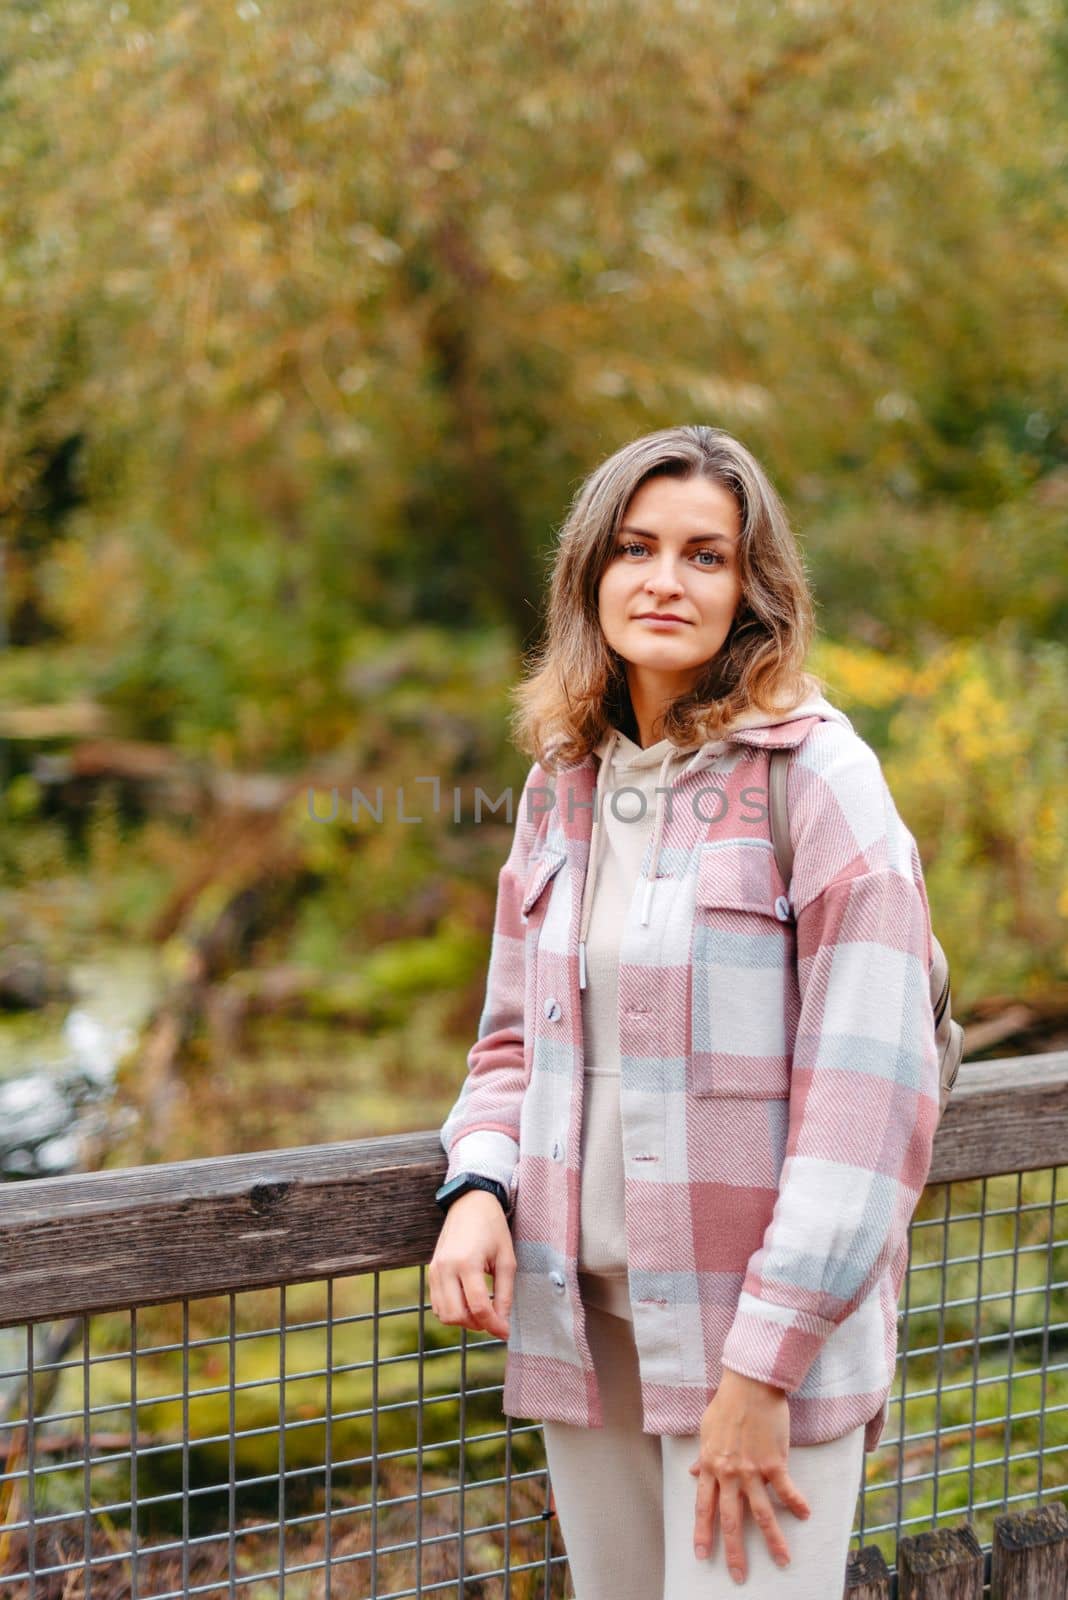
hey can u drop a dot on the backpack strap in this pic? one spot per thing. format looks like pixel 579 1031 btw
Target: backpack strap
pixel 778 814
pixel 949 1035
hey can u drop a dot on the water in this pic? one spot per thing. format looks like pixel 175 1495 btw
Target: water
pixel 57 1076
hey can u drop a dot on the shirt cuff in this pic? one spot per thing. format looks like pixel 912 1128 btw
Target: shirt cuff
pixel 487 1152
pixel 775 1343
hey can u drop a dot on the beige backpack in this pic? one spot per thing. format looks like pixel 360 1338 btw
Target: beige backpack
pixel 949 1035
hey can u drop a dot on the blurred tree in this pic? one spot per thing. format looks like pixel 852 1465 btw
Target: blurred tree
pixel 341 302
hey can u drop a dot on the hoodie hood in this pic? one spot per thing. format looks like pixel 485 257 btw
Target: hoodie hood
pixel 617 754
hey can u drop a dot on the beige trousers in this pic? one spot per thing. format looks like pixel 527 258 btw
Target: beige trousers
pixel 625 1501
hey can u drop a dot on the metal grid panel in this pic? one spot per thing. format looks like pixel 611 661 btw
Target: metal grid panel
pixel 979 1415
pixel 325 1439
pixel 334 1439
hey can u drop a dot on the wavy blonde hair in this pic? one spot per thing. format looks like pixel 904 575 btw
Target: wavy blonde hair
pixel 575 684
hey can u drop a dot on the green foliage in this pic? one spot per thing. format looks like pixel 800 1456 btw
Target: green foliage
pixel 905 577
pixel 313 318
pixel 363 291
pixel 43 675
pixel 973 743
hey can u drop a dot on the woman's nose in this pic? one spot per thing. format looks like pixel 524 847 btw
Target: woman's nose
pixel 663 578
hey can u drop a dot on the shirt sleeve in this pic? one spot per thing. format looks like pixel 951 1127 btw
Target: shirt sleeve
pixel 481 1132
pixel 864 1091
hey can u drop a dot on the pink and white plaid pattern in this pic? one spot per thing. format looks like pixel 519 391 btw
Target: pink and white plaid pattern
pixel 779 1087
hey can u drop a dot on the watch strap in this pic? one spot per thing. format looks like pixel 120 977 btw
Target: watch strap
pixel 472 1180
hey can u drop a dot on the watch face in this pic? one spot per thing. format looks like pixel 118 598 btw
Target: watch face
pixel 455 1186
pixel 464 1181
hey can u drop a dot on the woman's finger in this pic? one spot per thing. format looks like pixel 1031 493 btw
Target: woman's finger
pixel 705 1514
pixel 448 1301
pixel 730 1520
pixel 766 1520
pixel 788 1492
pixel 503 1285
pixel 482 1310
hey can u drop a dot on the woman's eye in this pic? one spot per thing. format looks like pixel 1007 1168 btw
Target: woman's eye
pixel 641 550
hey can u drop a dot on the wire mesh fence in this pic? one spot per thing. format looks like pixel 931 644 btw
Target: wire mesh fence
pixel 329 1437
pixel 978 1419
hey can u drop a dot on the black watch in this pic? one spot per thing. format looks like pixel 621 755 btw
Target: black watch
pixel 471 1180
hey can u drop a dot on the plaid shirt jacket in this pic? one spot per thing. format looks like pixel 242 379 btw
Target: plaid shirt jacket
pixel 779 1086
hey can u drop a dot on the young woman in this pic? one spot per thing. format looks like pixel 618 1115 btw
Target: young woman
pixel 700 1110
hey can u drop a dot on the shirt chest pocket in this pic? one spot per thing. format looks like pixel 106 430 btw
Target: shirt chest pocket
pixel 743 994
pixel 544 981
pixel 540 873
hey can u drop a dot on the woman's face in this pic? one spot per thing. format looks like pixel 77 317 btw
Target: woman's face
pixel 676 554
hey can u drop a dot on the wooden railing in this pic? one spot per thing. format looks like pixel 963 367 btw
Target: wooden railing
pixel 81 1246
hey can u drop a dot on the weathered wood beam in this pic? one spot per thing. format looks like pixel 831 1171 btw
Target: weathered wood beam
pixel 102 1240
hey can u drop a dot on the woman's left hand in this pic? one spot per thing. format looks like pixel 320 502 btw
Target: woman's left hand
pixel 745 1442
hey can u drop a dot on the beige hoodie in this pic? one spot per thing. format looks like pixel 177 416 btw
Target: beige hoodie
pixel 622 827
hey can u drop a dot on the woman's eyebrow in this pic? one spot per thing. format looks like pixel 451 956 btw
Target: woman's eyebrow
pixel 698 538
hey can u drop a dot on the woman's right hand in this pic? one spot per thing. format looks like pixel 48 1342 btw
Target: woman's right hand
pixel 474 1239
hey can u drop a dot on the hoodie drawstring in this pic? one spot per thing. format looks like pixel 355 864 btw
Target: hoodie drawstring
pixel 594 857
pixel 658 834
pixel 597 840
pixel 814 705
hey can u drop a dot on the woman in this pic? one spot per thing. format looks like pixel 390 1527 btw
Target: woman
pixel 700 1110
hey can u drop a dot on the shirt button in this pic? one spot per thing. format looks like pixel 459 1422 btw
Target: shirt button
pixel 558 1150
pixel 557 1280
pixel 782 908
pixel 552 1010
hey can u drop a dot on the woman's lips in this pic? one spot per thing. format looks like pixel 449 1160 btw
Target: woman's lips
pixel 663 622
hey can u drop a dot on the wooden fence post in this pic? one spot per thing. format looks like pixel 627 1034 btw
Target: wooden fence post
pixel 946 1564
pixel 867 1577
pixel 1029 1560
